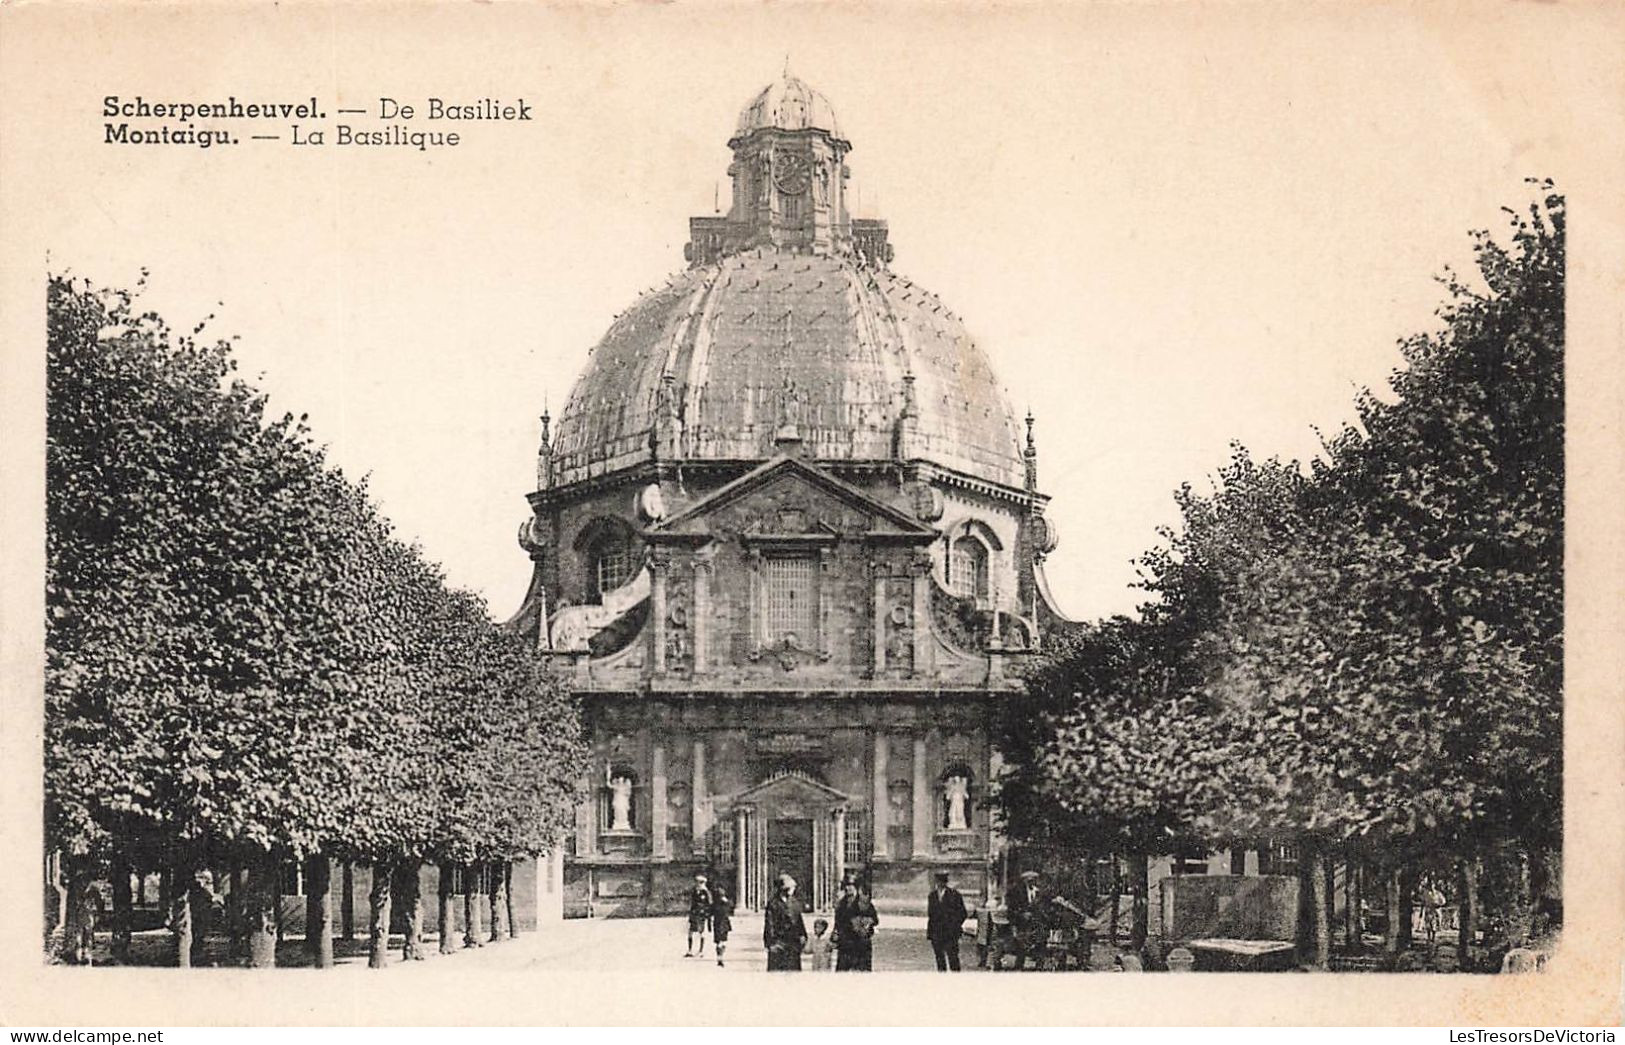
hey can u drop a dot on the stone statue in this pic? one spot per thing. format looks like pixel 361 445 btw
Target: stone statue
pixel 957 791
pixel 620 804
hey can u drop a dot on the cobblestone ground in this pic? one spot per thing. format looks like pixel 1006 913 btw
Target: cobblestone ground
pixel 631 944
pixel 656 945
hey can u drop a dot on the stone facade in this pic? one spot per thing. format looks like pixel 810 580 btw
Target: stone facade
pixel 785 543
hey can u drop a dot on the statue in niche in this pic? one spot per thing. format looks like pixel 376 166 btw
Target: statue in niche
pixel 620 803
pixel 957 792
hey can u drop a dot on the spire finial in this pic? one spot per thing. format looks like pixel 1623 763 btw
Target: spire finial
pixel 1030 446
pixel 787 65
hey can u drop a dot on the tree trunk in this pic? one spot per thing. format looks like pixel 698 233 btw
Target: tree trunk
pixel 237 913
pixel 471 906
pixel 1521 916
pixel 77 880
pixel 307 871
pixel 1545 890
pixel 1467 919
pixel 1407 907
pixel 499 901
pixel 120 881
pixel 1304 936
pixel 1390 884
pixel 1140 927
pixel 1329 864
pixel 179 920
pixel 1351 901
pixel 1320 926
pixel 260 909
pixel 347 902
pixel 448 909
pixel 1117 897
pixel 411 901
pixel 319 910
pixel 202 903
pixel 378 919
pixel 507 895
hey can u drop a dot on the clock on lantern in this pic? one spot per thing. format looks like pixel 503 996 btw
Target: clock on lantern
pixel 791 173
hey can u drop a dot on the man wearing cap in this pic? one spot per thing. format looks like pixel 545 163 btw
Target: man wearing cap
pixel 945 922
pixel 784 932
pixel 855 922
pixel 1026 915
pixel 700 902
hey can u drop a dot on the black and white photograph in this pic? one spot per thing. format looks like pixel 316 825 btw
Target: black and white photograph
pixel 655 498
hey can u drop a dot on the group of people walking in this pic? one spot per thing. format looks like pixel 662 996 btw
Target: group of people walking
pixel 709 910
pixel 850 939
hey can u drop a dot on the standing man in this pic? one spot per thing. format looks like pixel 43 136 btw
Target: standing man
pixel 783 931
pixel 855 921
pixel 945 922
pixel 1026 917
pixel 700 903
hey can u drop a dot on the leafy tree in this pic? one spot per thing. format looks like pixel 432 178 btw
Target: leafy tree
pixel 244 666
pixel 1365 654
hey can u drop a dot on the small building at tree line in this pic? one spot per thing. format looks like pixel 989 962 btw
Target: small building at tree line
pixel 786 539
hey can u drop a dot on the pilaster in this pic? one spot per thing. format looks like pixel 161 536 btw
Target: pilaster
pixel 921 820
pixel 880 814
pixel 657 801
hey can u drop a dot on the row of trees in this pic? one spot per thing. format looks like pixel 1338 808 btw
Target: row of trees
pixel 245 667
pixel 1364 656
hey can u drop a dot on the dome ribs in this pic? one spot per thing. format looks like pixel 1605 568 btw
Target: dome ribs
pixel 840 333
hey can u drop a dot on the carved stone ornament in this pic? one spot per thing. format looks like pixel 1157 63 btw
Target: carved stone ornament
pixel 531 536
pixel 929 503
pixel 790 653
pixel 651 503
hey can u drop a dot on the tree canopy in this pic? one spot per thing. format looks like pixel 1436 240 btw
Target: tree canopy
pixel 240 653
pixel 1367 649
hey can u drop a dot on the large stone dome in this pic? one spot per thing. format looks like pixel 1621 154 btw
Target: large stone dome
pixel 788 323
pixel 764 338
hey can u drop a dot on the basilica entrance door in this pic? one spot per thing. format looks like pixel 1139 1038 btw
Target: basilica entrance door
pixel 790 851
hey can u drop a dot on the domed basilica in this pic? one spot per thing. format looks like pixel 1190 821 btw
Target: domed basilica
pixel 786 540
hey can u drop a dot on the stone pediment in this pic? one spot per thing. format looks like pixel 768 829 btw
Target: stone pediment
pixel 789 500
pixel 791 789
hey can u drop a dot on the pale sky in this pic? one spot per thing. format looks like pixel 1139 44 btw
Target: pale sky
pixel 1168 228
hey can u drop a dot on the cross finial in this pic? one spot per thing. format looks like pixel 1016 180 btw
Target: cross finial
pixel 787 65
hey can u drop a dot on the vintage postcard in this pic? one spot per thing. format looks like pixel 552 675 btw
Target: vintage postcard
pixel 581 509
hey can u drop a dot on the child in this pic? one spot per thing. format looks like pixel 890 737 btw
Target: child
pixel 699 914
pixel 818 945
pixel 722 910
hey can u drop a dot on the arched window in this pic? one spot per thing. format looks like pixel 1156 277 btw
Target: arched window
pixel 967 568
pixel 611 562
pixel 617 811
pixel 954 799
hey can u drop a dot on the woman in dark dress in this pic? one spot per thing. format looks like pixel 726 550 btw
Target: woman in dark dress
pixel 855 922
pixel 722 910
